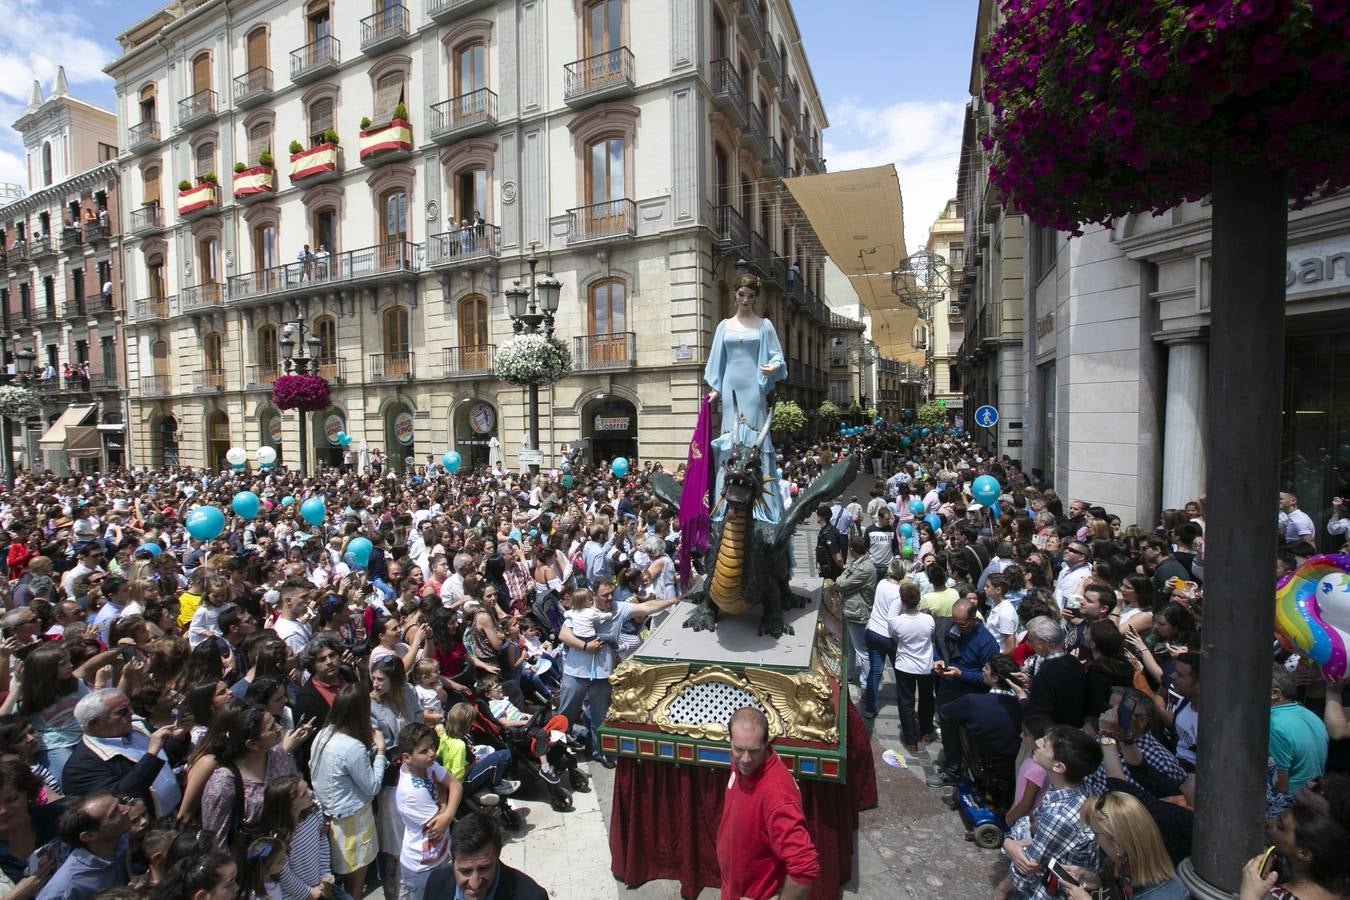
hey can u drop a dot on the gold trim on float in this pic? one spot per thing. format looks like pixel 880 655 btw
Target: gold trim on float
pixel 636 688
pixel 716 731
pixel 804 701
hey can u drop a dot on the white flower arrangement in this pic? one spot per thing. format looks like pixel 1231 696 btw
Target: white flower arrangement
pixel 19 402
pixel 533 359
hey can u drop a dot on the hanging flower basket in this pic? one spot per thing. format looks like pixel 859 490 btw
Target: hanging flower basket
pixel 303 392
pixel 533 359
pixel 19 402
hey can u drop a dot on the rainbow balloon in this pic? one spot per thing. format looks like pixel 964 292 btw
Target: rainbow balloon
pixel 1312 612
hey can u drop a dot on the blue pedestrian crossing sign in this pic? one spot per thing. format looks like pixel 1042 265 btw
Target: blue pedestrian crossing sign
pixel 986 417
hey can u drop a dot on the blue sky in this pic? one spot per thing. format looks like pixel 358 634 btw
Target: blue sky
pixel 893 76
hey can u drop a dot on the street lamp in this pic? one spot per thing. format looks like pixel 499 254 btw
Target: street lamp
pixel 300 365
pixel 529 308
pixel 23 367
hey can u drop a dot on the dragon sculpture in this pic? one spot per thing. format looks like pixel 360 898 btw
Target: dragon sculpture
pixel 747 559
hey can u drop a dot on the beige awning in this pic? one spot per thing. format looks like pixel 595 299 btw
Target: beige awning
pixel 57 436
pixel 83 440
pixel 858 217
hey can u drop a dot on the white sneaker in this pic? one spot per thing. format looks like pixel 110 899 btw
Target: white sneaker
pixel 488 799
pixel 506 787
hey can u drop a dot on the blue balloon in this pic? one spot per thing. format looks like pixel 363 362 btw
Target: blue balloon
pixel 340 436
pixel 314 511
pixel 358 552
pixel 151 548
pixel 906 530
pixel 904 442
pixel 287 500
pixel 205 523
pixel 452 461
pixel 985 490
pixel 619 467
pixel 933 521
pixel 926 432
pixel 246 504
pixel 345 440
pixel 916 507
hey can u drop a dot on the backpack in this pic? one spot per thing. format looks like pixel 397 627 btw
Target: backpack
pixel 240 833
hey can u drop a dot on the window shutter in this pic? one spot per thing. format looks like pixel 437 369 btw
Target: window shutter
pixel 259 139
pixel 388 94
pixel 320 117
pixel 206 159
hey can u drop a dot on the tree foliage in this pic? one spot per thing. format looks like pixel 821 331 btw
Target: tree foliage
pixel 788 417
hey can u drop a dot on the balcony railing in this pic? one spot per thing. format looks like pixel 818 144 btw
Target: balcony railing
pixel 773 160
pixel 464 246
pixel 201 296
pixel 464 115
pixel 728 91
pixel 260 376
pixel 610 220
pixel 39 246
pixel 751 19
pixel 391 367
pixel 730 228
pixel 70 238
pixel 207 380
pixel 77 308
pixel 154 308
pixel 385 29
pixel 196 108
pixel 315 59
pixel 771 64
pixel 148 218
pixel 142 135
pixel 442 11
pixel 46 314
pixel 756 133
pixel 253 87
pixel 468 362
pixel 595 352
pixel 760 258
pixel 333 368
pixel 396 259
pixel 599 77
pixel 155 386
pixel 94 231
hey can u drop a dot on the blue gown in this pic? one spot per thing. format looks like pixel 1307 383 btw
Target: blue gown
pixel 733 371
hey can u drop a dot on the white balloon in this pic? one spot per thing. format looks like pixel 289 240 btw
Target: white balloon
pixel 266 455
pixel 235 456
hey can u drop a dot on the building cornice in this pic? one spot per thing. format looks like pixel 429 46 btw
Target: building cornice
pixel 103 173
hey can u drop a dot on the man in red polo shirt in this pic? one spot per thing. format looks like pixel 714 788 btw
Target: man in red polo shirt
pixel 763 848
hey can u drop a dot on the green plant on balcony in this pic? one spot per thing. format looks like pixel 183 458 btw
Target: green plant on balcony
pixel 208 178
pixel 265 159
pixel 871 412
pixel 828 410
pixel 239 167
pixel 184 185
pixel 330 137
pixel 788 417
pixel 365 123
pixel 297 147
pixel 401 112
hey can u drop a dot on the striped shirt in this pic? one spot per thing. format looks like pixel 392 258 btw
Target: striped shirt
pixel 309 859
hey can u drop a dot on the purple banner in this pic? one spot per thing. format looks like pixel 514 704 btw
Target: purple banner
pixel 695 512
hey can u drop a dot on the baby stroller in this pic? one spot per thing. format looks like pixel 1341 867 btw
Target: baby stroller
pixel 527 745
pixel 984 793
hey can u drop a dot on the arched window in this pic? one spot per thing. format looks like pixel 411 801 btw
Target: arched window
pixel 204 158
pixel 208 261
pixel 324 229
pixel 604 170
pixel 608 320
pixel 473 332
pixel 154 277
pixel 201 72
pixel 267 352
pixel 721 36
pixel 319 21
pixel 604 26
pixel 397 343
pixel 256 51
pixel 394 216
pixel 146 103
pixel 389 91
pixel 470 69
pixel 159 353
pixel 470 194
pixel 320 114
pixel 46 162
pixel 259 139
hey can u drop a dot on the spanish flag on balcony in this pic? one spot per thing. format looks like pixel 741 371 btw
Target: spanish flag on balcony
pixel 315 161
pixel 254 181
pixel 196 198
pixel 396 136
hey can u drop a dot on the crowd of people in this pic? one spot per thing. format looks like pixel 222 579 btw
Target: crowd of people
pixel 270 714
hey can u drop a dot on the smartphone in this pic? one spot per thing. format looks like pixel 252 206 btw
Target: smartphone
pixel 177 715
pixel 1125 713
pixel 1267 861
pixel 1057 869
pixel 127 652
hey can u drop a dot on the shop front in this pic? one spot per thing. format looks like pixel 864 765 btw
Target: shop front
pixel 327 426
pixel 400 434
pixel 611 425
pixel 217 439
pixel 269 431
pixel 475 430
pixel 168 442
pixel 1315 462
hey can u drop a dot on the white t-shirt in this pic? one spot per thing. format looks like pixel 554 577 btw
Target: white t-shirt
pixel 1187 726
pixel 585 622
pixel 295 634
pixel 1002 622
pixel 885 603
pixel 913 634
pixel 417 804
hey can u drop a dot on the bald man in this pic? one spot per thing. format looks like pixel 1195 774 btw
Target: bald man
pixel 763 848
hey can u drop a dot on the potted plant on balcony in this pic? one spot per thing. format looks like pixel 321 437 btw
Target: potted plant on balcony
pixel 198 199
pixel 319 163
pixel 828 410
pixel 532 359
pixel 308 393
pixel 385 143
pixel 252 183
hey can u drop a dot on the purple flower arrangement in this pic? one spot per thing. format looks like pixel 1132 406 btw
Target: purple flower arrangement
pixel 303 392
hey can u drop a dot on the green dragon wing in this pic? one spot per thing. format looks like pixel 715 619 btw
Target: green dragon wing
pixel 667 489
pixel 828 486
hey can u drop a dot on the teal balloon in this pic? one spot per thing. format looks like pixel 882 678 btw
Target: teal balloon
pixel 151 548
pixel 906 530
pixel 246 504
pixel 287 500
pixel 314 511
pixel 341 435
pixel 205 523
pixel 358 552
pixel 926 432
pixel 904 442
pixel 916 507
pixel 985 490
pixel 452 461
pixel 933 521
pixel 345 440
pixel 619 467
pixel 567 481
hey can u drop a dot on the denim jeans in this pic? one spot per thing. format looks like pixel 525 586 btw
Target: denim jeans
pixel 857 645
pixel 912 727
pixel 413 885
pixel 596 691
pixel 488 771
pixel 879 649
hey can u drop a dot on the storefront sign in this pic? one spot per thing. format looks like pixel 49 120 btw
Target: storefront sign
pixel 220 432
pixel 1317 266
pixel 482 418
pixel 274 429
pixel 403 428
pixel 612 423
pixel 332 426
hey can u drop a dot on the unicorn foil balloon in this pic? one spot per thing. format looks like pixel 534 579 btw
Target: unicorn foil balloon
pixel 1312 612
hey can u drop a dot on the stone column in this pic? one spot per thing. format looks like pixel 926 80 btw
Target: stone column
pixel 1184 439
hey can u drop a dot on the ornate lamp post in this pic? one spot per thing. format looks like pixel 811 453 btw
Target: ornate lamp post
pixel 530 308
pixel 23 368
pixel 300 365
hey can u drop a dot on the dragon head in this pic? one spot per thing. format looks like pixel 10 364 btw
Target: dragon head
pixel 743 469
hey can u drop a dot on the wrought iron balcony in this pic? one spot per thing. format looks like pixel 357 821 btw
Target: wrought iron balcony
pixel 147 219
pixel 46 314
pixel 316 59
pixel 603 76
pixel 773 163
pixel 750 18
pixel 467 246
pixel 94 231
pixel 155 386
pixel 143 135
pixel 385 29
pixel 395 261
pixel 261 376
pixel 609 221
pixel 196 109
pixel 154 309
pixel 601 352
pixel 760 259
pixel 442 11
pixel 755 134
pixel 771 64
pixel 729 93
pixel 253 87
pixel 730 228
pixel 77 308
pixel 473 361
pixel 40 246
pixel 207 295
pixel 467 114
pixel 70 238
pixel 333 369
pixel 208 380
pixel 391 367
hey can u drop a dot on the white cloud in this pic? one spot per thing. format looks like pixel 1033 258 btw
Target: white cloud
pixel 922 139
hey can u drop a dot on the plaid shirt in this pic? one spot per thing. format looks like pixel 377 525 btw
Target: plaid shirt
pixel 1156 757
pixel 1056 832
pixel 520 585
